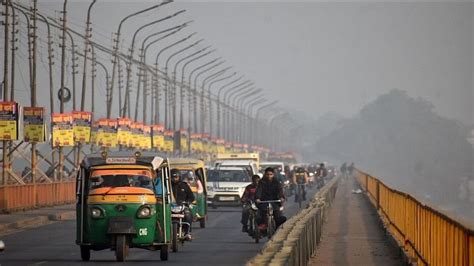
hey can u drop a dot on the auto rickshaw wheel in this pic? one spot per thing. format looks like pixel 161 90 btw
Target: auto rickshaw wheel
pixel 202 222
pixel 85 253
pixel 174 243
pixel 164 252
pixel 121 247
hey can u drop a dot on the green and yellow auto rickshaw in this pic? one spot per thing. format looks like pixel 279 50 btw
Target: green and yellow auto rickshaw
pixel 123 202
pixel 193 172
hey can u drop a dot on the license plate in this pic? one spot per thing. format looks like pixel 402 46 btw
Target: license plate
pixel 226 198
pixel 177 215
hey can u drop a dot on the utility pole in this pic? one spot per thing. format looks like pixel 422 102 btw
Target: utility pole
pixel 14 48
pixel 33 99
pixel 86 51
pixel 63 65
pixel 6 165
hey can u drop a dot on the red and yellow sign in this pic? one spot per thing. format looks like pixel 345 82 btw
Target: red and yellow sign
pixel 123 133
pixel 169 142
pixel 183 140
pixel 146 138
pixel 81 124
pixel 158 136
pixel 196 144
pixel 107 133
pixel 33 124
pixel 8 121
pixel 136 137
pixel 62 132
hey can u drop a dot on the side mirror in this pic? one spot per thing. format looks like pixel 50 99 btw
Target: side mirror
pixel 94 179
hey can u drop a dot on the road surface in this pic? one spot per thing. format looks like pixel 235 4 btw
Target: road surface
pixel 221 243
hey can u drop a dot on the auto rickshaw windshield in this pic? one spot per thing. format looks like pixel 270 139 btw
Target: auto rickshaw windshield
pixel 120 178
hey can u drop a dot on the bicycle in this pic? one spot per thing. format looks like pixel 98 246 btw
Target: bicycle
pixel 252 224
pixel 271 223
pixel 299 194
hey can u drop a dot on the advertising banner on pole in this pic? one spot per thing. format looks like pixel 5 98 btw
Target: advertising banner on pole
pixel 136 137
pixel 169 142
pixel 9 121
pixel 62 132
pixel 183 140
pixel 81 124
pixel 196 144
pixel 107 133
pixel 33 124
pixel 123 133
pixel 158 137
pixel 146 138
pixel 220 143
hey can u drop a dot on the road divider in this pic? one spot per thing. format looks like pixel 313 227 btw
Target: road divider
pixel 296 240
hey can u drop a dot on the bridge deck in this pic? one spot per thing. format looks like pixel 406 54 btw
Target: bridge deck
pixel 353 234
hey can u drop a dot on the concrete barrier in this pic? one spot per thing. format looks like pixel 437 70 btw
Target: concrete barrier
pixel 296 240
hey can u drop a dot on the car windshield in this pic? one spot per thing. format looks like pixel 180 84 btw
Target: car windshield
pixel 222 175
pixel 120 178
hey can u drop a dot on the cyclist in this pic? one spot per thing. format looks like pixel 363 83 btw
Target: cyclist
pixel 247 198
pixel 300 178
pixel 350 169
pixel 321 174
pixel 269 189
pixel 344 169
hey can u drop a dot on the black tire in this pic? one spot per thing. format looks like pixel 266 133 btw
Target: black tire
pixel 202 222
pixel 164 252
pixel 300 196
pixel 85 253
pixel 174 240
pixel 121 247
pixel 256 230
pixel 270 227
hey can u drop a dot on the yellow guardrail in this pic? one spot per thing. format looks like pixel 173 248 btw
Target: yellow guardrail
pixel 427 235
pixel 296 240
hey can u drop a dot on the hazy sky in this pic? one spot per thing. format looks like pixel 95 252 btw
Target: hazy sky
pixel 318 57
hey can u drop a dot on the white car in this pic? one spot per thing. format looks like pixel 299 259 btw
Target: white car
pixel 226 185
pixel 250 166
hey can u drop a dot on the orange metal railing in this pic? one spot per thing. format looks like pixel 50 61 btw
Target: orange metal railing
pixel 21 197
pixel 426 234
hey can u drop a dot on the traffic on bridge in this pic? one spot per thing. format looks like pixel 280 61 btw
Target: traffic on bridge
pixel 236 133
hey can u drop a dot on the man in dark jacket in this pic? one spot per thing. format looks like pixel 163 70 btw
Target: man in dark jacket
pixel 270 189
pixel 182 193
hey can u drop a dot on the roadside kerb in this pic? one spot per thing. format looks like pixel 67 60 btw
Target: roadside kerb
pixel 296 240
pixel 35 221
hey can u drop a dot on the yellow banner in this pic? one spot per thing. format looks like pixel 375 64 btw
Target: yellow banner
pixel 169 142
pixel 136 138
pixel 158 136
pixel 146 138
pixel 33 124
pixel 8 121
pixel 81 125
pixel 107 133
pixel 62 132
pixel 123 133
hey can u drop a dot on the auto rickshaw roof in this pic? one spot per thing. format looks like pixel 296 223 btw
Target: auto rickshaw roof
pixel 122 158
pixel 186 163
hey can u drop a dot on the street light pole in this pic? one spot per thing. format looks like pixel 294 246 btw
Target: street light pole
pixel 116 48
pixel 181 105
pixel 210 100
pixel 231 106
pixel 226 111
pixel 167 83
pixel 195 91
pixel 237 105
pixel 203 86
pixel 257 116
pixel 173 105
pixel 157 113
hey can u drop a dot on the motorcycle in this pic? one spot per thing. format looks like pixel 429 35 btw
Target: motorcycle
pixel 178 213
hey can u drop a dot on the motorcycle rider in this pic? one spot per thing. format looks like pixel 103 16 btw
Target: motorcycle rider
pixel 247 198
pixel 182 194
pixel 269 189
pixel 300 178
